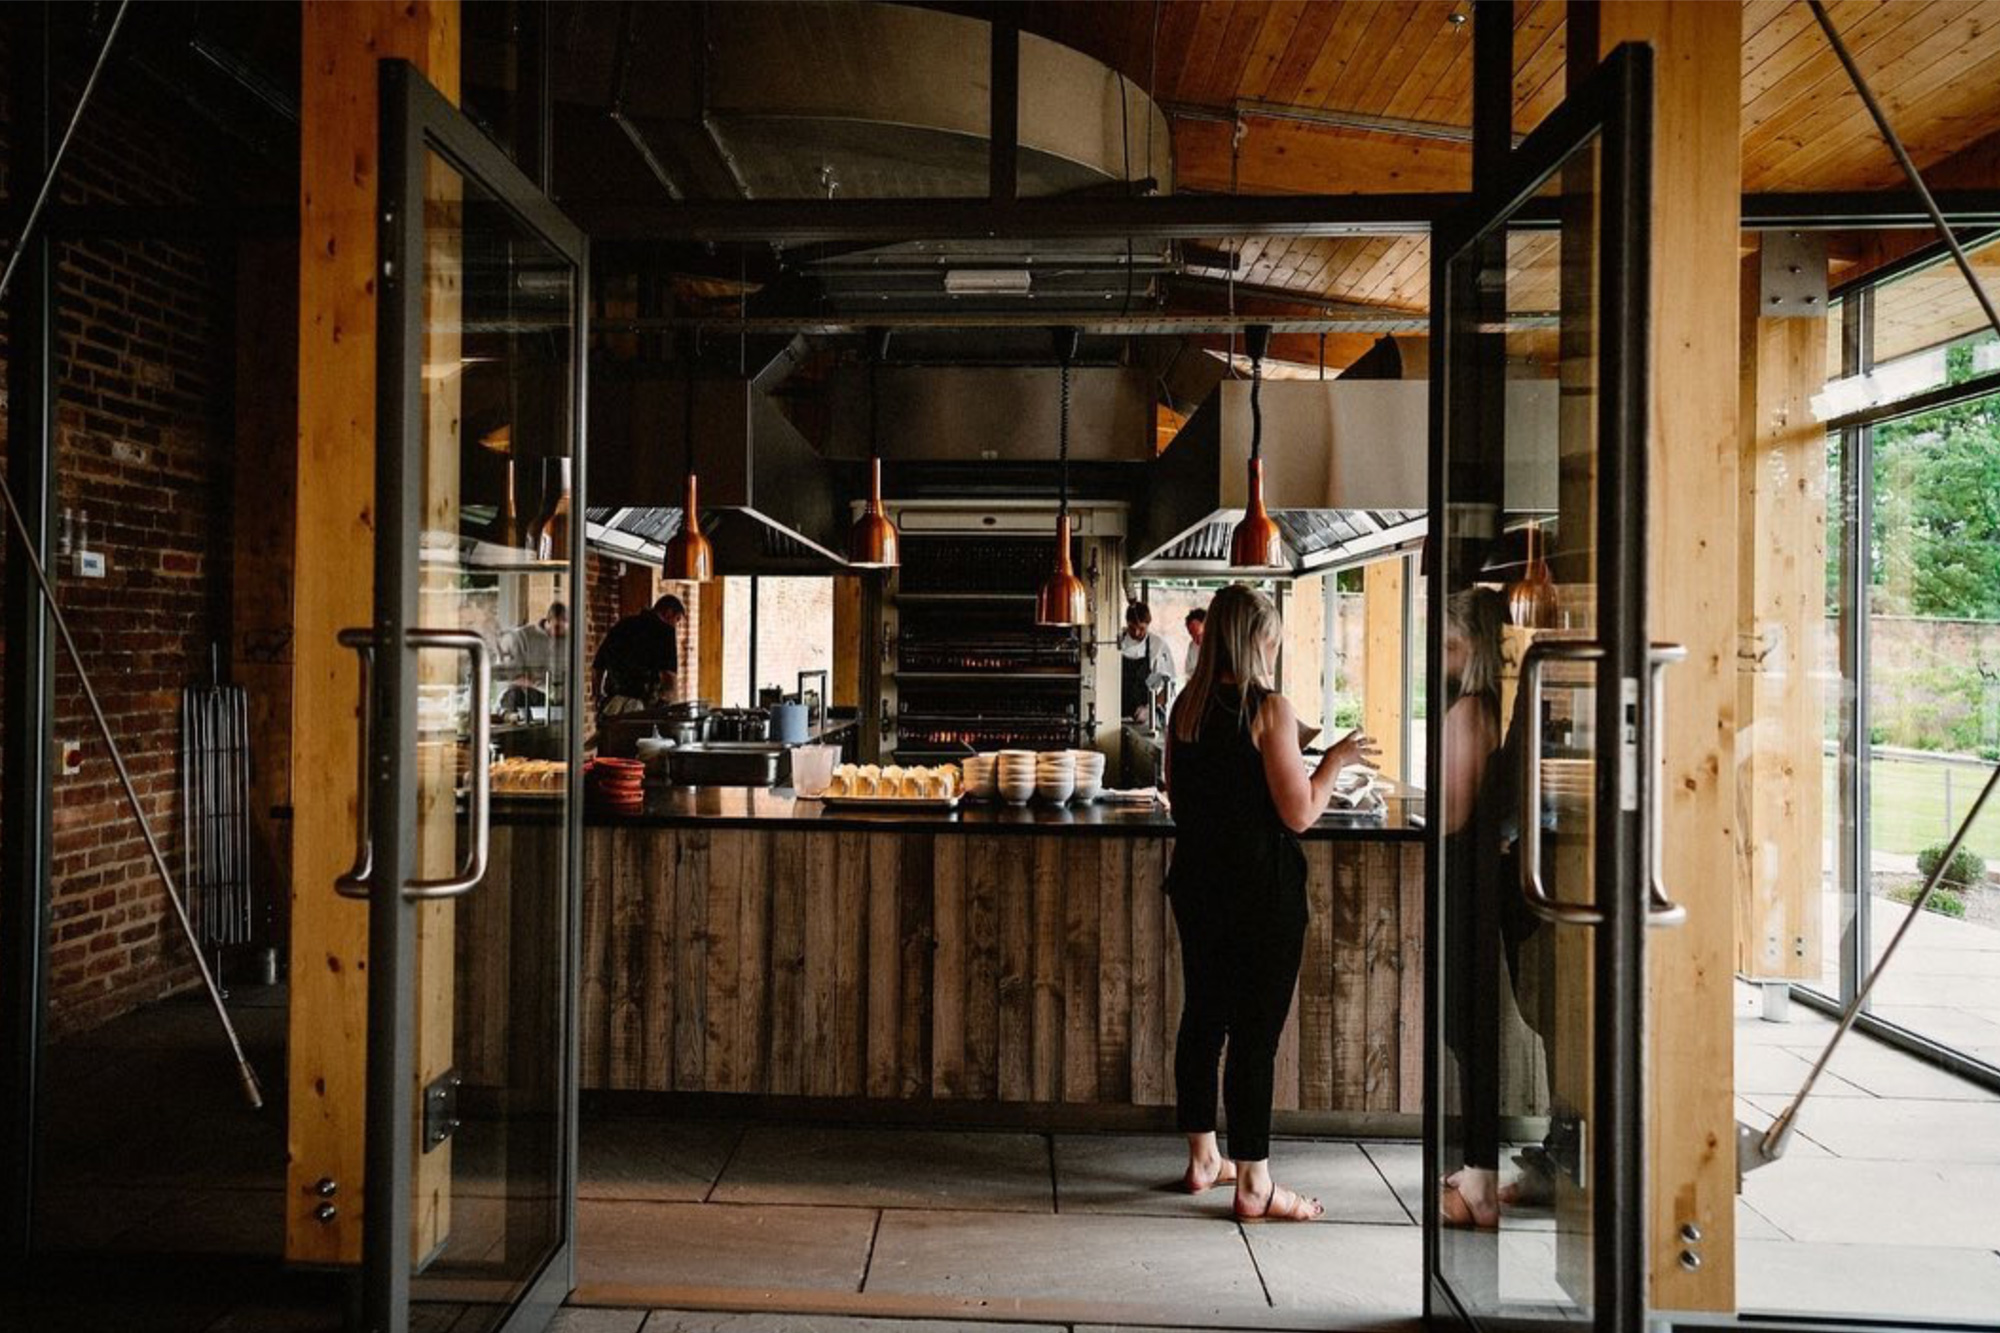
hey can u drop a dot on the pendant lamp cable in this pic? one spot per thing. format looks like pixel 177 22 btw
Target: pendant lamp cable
pixel 1256 346
pixel 1062 429
pixel 691 353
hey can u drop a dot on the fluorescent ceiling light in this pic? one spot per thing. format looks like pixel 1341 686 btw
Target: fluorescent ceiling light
pixel 988 281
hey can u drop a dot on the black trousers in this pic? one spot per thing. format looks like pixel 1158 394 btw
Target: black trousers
pixel 1239 965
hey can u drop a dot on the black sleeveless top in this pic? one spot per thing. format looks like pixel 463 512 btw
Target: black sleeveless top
pixel 1228 838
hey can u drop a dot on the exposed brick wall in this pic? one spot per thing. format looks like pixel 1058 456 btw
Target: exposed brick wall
pixel 145 445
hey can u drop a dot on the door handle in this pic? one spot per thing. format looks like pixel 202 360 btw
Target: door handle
pixel 359 877
pixel 1661 910
pixel 1536 894
pixel 479 809
pixel 359 880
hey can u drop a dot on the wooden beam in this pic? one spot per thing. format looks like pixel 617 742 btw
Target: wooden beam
pixel 714 618
pixel 1691 538
pixel 1277 157
pixel 847 640
pixel 1781 613
pixel 333 588
pixel 1382 660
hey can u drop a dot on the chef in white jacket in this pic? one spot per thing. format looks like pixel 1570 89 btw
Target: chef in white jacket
pixel 1147 661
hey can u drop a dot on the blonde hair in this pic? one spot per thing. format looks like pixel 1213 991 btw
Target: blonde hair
pixel 1242 626
pixel 1477 615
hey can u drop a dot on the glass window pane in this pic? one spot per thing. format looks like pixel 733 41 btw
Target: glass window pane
pixel 1933 681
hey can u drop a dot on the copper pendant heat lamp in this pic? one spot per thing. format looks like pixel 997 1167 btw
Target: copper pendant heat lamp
pixel 690 558
pixel 1531 599
pixel 1063 599
pixel 1255 543
pixel 873 542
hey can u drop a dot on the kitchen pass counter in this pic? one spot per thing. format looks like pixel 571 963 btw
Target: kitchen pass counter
pixel 750 807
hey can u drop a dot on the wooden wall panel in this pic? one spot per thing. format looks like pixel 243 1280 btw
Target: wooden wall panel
pixel 341 43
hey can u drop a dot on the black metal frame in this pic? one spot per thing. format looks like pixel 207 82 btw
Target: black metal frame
pixel 26 803
pixel 417 123
pixel 1613 108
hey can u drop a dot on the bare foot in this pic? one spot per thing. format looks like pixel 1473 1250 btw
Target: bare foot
pixel 1278 1205
pixel 1469 1197
pixel 1206 1175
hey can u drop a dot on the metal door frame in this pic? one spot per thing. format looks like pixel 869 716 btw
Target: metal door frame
pixel 1614 107
pixel 417 121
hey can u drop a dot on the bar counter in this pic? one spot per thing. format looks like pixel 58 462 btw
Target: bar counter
pixel 996 962
pixel 755 807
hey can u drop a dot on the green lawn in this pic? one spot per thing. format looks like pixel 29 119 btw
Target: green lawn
pixel 1908 805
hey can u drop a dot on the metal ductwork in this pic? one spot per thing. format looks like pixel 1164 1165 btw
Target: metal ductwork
pixel 770 504
pixel 996 414
pixel 1345 475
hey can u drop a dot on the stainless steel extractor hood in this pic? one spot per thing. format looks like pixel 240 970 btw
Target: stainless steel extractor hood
pixel 1345 475
pixel 769 502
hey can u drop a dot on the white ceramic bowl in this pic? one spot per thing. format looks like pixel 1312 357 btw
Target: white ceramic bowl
pixel 1056 790
pixel 1086 792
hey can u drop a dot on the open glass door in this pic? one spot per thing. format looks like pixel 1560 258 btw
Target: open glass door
pixel 1539 761
pixel 471 1076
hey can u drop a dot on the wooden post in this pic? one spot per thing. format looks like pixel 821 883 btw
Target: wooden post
pixel 848 613
pixel 1781 613
pixel 1382 660
pixel 1692 556
pixel 342 41
pixel 714 619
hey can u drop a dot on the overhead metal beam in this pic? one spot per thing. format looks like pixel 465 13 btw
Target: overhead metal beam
pixel 1003 129
pixel 1492 89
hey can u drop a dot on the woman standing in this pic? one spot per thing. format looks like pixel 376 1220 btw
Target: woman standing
pixel 1472 801
pixel 1241 795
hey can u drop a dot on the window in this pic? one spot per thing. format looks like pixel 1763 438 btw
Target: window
pixel 773 628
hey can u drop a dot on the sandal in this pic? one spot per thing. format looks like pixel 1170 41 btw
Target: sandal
pixel 1299 1209
pixel 1224 1175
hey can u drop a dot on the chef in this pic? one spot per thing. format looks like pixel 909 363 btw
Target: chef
pixel 638 662
pixel 532 656
pixel 1147 661
pixel 1197 625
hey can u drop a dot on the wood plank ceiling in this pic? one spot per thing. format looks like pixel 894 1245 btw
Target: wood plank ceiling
pixel 1282 66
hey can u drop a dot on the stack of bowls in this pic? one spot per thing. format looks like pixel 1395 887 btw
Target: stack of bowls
pixel 1055 775
pixel 1014 776
pixel 1089 774
pixel 979 776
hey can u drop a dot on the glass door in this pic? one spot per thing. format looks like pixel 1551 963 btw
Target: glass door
pixel 470 843
pixel 1539 754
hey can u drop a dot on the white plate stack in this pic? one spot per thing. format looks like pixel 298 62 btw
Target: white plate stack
pixel 1014 776
pixel 1089 775
pixel 979 776
pixel 1055 775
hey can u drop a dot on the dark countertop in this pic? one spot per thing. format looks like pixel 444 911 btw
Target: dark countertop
pixel 756 807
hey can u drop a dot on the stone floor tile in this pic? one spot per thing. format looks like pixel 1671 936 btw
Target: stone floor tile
pixel 876 1168
pixel 1140 1174
pixel 1883 1071
pixel 1847 1201
pixel 1895 1130
pixel 597 1321
pixel 1753 1225
pixel 692 1244
pixel 1200 1266
pixel 1915 1282
pixel 697 1321
pixel 1780 1070
pixel 1402 1165
pixel 639 1158
pixel 1335 1267
pixel 1802 1145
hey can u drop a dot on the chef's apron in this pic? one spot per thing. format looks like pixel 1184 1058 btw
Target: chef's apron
pixel 1134 695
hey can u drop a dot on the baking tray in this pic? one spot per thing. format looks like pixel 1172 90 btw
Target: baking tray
pixel 891 802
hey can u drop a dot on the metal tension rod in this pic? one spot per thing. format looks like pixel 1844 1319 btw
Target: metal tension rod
pixel 1754 1150
pixel 252 1090
pixel 1895 143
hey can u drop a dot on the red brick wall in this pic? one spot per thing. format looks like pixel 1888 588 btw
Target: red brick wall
pixel 145 445
pixel 603 580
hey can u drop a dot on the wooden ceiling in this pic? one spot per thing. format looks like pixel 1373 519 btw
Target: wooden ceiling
pixel 1934 63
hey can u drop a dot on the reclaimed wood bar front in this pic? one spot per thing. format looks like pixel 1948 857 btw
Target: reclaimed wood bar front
pixel 734 942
